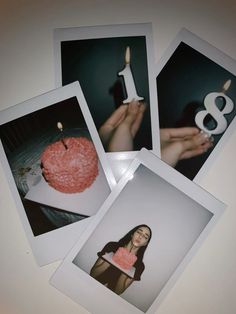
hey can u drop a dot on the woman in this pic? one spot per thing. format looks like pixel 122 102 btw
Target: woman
pixel 136 242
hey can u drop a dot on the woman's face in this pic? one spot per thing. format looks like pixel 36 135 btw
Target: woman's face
pixel 140 237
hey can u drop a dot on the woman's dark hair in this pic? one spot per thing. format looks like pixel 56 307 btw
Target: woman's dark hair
pixel 125 240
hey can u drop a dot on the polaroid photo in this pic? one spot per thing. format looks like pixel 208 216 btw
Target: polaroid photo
pixel 56 168
pixel 140 241
pixel 195 85
pixel 114 65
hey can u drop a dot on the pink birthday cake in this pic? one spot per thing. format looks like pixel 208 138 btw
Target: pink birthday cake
pixel 124 258
pixel 70 165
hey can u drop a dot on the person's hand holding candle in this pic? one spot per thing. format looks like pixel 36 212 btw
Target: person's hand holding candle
pixel 183 143
pixel 118 131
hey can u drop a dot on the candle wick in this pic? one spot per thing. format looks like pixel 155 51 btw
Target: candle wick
pixel 62 140
pixel 64 144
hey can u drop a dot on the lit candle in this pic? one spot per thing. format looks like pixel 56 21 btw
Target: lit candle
pixel 129 80
pixel 60 127
pixel 214 111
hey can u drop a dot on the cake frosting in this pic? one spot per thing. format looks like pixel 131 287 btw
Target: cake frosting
pixel 124 258
pixel 70 165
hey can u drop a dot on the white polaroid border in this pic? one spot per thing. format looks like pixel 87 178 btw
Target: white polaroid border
pixel 113 31
pixel 220 58
pixel 53 245
pixel 75 282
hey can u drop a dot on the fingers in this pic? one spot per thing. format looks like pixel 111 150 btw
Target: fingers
pixel 127 113
pixel 196 152
pixel 198 145
pixel 188 148
pixel 117 116
pixel 122 137
pixel 195 141
pixel 183 132
pixel 172 134
pixel 139 118
pixel 126 117
pixel 132 112
pixel 134 116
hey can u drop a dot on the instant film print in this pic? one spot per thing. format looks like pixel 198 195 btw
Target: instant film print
pixel 56 168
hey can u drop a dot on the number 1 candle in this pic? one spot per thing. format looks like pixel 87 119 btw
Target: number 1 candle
pixel 129 80
pixel 214 111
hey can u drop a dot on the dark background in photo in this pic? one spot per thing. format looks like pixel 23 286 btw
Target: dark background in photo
pixel 182 85
pixel 95 63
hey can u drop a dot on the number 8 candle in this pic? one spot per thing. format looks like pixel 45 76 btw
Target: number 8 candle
pixel 129 80
pixel 212 109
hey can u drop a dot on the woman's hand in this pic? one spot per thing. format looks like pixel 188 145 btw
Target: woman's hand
pixel 182 143
pixel 118 131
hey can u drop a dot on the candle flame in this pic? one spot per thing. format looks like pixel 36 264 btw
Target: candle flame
pixel 226 85
pixel 60 126
pixel 127 55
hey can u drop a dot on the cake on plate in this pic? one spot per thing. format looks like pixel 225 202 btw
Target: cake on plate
pixel 70 165
pixel 124 258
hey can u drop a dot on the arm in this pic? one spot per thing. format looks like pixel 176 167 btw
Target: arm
pixel 107 129
pixel 123 283
pixel 118 132
pixel 99 267
pixel 123 136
